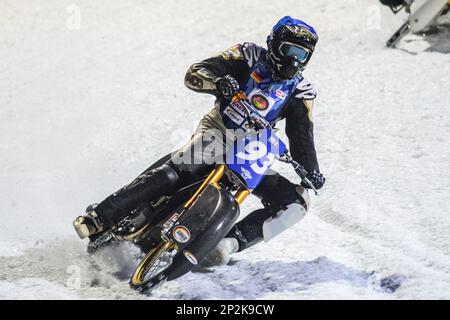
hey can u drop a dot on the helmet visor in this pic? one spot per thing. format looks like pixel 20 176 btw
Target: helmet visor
pixel 288 49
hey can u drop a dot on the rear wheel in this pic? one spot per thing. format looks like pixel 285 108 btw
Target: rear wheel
pixel 150 270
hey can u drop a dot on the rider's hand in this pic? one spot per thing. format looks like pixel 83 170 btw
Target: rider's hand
pixel 317 179
pixel 227 86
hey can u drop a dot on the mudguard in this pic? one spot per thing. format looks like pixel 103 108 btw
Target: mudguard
pixel 207 222
pixel 426 14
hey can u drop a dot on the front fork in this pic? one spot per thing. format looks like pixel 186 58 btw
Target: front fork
pixel 213 179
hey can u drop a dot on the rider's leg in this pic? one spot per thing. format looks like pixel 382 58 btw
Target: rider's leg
pixel 150 185
pixel 109 212
pixel 285 203
pixel 146 187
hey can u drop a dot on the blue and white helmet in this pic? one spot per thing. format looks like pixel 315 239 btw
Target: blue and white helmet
pixel 290 46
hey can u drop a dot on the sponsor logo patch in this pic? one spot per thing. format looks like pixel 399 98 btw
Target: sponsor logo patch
pixel 191 258
pixel 233 115
pixel 246 174
pixel 260 102
pixel 181 234
pixel 281 94
pixel 171 220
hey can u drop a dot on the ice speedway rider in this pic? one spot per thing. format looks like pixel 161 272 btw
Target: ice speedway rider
pixel 272 79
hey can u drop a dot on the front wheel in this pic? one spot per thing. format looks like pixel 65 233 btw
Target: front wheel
pixel 150 270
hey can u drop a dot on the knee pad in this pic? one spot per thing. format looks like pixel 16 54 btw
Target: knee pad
pixel 172 174
pixel 283 220
pixel 287 216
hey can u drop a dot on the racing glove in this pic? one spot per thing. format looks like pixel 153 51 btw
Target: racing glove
pixel 227 86
pixel 317 179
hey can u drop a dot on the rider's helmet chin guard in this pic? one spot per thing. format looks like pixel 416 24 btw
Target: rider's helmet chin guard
pixel 290 47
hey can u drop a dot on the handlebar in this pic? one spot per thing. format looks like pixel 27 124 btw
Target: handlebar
pixel 299 169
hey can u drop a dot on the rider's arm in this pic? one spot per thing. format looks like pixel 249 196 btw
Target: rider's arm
pixel 299 126
pixel 235 61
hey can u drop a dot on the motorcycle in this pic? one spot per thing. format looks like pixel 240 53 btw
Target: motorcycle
pixel 177 232
pixel 420 17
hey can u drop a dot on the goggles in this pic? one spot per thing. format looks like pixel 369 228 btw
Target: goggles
pixel 288 49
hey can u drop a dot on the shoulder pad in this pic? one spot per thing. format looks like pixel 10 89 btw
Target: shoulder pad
pixel 233 53
pixel 305 90
pixel 252 52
